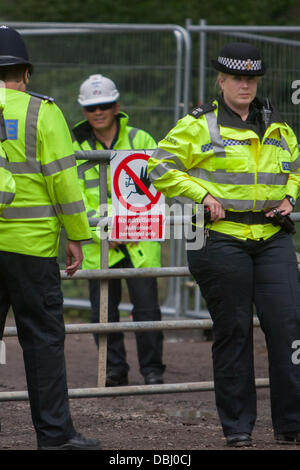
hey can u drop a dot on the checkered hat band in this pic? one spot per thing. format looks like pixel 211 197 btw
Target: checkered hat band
pixel 235 64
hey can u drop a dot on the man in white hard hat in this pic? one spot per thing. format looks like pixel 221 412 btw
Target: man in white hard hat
pixel 106 127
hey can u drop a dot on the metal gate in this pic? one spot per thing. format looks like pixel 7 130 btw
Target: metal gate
pixel 103 327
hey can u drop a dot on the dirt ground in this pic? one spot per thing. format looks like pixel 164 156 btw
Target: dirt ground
pixel 166 422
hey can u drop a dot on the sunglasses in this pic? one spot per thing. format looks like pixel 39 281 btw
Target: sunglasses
pixel 102 107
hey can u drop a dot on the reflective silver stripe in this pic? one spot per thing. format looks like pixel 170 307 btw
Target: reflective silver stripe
pixel 31 128
pixel 246 204
pixel 260 205
pixel 132 135
pixel 43 211
pixel 183 200
pixel 284 144
pixel 70 208
pixel 29 212
pixel 295 164
pixel 29 167
pixel 3 163
pixel 221 176
pixel 215 136
pixel 163 154
pixel 6 197
pixel 158 171
pixel 164 167
pixel 272 178
pixel 236 204
pixel 92 183
pixel 59 165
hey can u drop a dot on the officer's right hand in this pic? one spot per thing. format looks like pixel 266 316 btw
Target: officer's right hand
pixel 74 256
pixel 216 210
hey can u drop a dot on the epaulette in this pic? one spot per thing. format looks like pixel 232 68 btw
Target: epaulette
pixel 203 109
pixel 42 97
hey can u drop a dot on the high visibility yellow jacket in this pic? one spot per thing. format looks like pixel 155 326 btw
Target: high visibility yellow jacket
pixel 41 158
pixel 7 183
pixel 242 171
pixel 143 254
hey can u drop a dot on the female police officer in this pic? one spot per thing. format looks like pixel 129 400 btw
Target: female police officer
pixel 239 158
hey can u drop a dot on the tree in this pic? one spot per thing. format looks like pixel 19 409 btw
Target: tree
pixel 253 12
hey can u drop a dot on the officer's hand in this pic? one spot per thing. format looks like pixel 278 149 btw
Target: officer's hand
pixel 285 208
pixel 216 210
pixel 113 245
pixel 74 257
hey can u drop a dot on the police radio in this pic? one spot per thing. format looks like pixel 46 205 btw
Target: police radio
pixel 266 112
pixel 285 222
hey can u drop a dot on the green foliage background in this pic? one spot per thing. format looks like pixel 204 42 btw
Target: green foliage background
pixel 249 12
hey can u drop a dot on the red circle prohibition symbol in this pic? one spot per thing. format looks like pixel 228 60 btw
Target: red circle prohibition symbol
pixel 124 167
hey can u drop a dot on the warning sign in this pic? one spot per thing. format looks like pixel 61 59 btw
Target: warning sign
pixel 138 209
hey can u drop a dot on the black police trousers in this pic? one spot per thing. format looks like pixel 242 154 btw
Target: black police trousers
pixel 31 285
pixel 234 275
pixel 144 297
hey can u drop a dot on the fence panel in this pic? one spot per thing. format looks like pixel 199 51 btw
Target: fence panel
pixel 149 64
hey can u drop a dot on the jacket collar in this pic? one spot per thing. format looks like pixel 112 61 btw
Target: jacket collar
pixel 229 118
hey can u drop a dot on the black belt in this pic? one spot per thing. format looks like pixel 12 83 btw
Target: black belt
pixel 249 218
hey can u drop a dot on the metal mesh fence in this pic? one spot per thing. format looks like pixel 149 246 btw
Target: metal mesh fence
pixel 146 67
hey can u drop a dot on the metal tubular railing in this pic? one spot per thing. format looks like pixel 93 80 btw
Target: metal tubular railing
pixel 131 326
pixel 103 327
pixel 132 389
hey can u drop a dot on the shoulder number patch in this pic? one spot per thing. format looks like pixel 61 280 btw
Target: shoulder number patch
pixel 42 97
pixel 203 109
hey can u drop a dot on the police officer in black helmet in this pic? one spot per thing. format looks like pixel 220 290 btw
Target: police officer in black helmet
pixel 12 48
pixel 29 274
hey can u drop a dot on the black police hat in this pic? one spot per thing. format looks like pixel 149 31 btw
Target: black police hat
pixel 240 58
pixel 12 48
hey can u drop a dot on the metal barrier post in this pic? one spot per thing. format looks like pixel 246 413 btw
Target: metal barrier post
pixel 103 301
pixel 202 63
pixel 103 157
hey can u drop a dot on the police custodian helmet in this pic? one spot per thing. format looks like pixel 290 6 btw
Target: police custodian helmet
pixel 12 48
pixel 240 58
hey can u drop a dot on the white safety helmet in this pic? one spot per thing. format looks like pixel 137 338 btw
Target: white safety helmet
pixel 97 90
